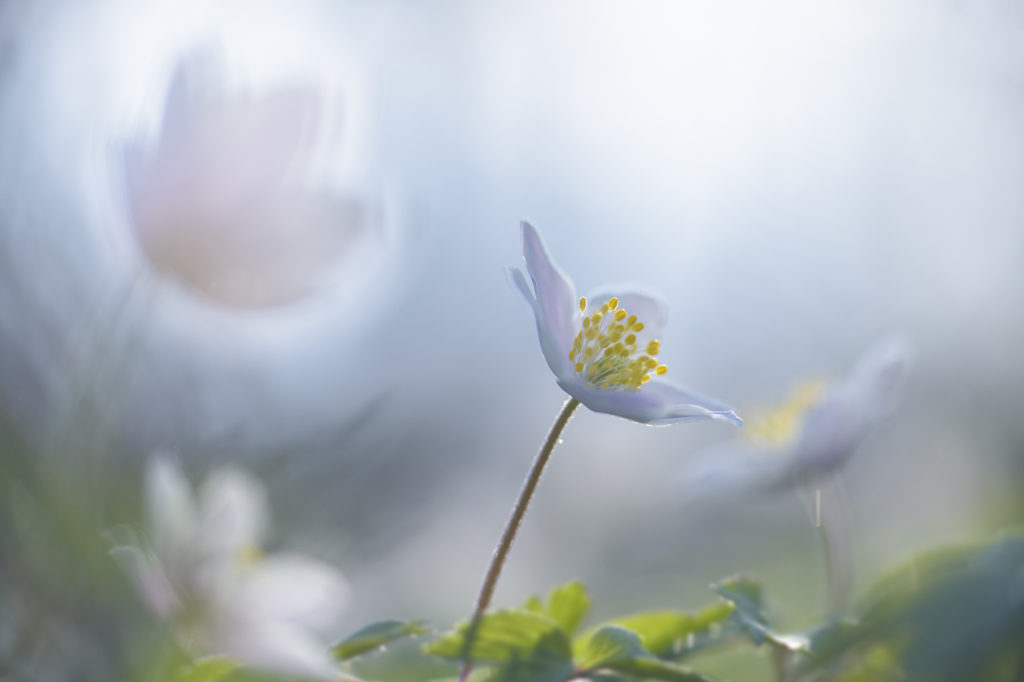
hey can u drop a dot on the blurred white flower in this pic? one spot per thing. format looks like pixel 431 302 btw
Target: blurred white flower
pixel 222 203
pixel 202 571
pixel 597 349
pixel 810 436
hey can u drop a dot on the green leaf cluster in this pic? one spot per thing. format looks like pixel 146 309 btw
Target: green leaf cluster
pixel 540 642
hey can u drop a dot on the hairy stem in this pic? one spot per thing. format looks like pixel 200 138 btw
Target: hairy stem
pixel 514 521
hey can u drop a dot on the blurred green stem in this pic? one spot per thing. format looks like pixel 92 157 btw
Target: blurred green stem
pixel 781 659
pixel 831 535
pixel 833 590
pixel 518 511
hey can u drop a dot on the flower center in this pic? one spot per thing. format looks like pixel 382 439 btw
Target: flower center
pixel 780 425
pixel 605 350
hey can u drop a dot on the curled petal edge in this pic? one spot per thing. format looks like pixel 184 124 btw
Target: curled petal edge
pixel 658 403
pixel 554 299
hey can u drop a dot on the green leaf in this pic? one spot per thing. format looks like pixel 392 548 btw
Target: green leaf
pixel 534 604
pixel 377 635
pixel 610 644
pixel 210 669
pixel 616 649
pixel 666 634
pixel 520 639
pixel 957 612
pixel 566 605
pixel 745 595
pixel 656 669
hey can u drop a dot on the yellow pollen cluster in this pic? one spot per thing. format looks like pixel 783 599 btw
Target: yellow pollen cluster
pixel 605 350
pixel 780 426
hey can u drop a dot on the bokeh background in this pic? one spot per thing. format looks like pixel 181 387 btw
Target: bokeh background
pixel 276 234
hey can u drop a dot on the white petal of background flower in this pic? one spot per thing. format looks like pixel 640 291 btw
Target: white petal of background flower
pixel 218 593
pixel 171 512
pixel 296 590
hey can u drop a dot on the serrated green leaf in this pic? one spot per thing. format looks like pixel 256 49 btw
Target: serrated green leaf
pixel 566 605
pixel 503 636
pixel 375 636
pixel 667 633
pixel 745 594
pixel 619 650
pixel 211 669
pixel 609 644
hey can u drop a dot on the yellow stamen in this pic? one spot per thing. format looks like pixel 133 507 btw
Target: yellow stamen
pixel 781 425
pixel 605 351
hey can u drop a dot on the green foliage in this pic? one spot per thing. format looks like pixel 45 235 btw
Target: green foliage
pixel 214 669
pixel 951 616
pixel 534 643
pixel 955 615
pixel 749 614
pixel 566 605
pixel 376 635
pixel 526 645
pixel 616 649
pixel 669 634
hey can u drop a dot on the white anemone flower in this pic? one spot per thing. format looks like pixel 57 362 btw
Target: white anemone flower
pixel 811 436
pixel 202 571
pixel 225 200
pixel 603 348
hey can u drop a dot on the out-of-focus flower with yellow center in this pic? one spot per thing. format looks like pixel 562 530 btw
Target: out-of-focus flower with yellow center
pixel 810 435
pixel 201 569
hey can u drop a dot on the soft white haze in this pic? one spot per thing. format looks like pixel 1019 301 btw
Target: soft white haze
pixel 798 178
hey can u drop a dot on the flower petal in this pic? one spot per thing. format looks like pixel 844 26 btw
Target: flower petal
pixel 834 429
pixel 874 381
pixel 233 518
pixel 657 403
pixel 733 469
pixel 270 646
pixel 554 302
pixel 150 580
pixel 648 305
pixel 519 280
pixel 831 432
pixel 170 508
pixel 290 588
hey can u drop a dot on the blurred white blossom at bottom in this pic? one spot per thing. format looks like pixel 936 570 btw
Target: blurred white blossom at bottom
pixel 201 570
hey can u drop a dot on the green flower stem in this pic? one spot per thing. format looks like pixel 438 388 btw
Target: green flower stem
pixel 501 551
pixel 831 527
pixel 837 581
